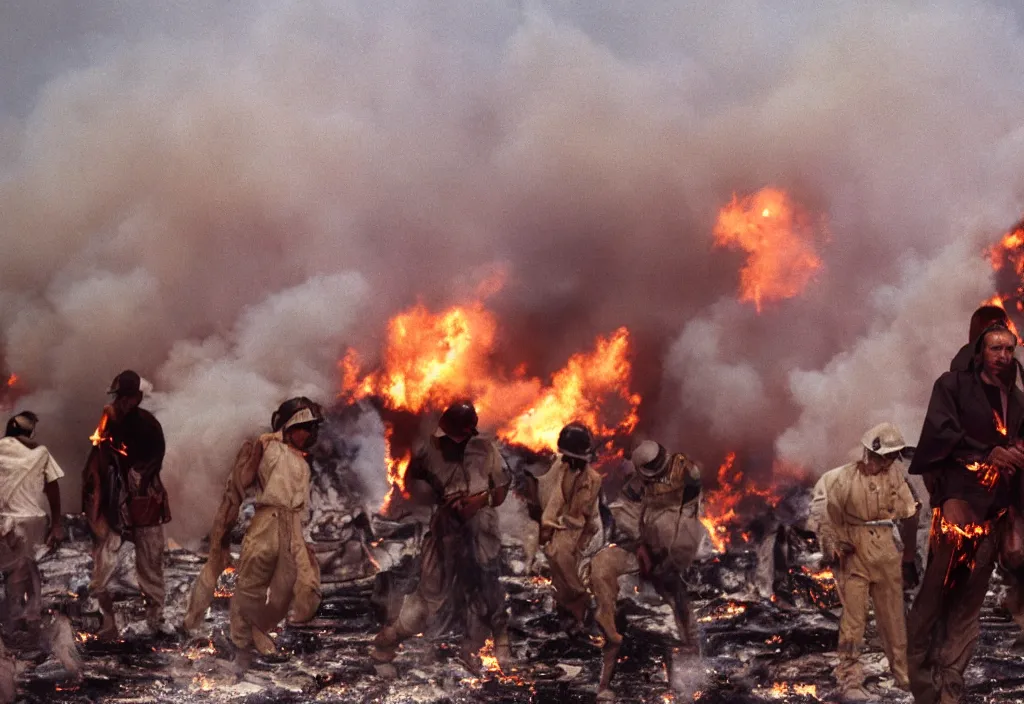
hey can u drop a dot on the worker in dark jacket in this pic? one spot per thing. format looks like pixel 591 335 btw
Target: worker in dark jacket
pixel 124 499
pixel 970 457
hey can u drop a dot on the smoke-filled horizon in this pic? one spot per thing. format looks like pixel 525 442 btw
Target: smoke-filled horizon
pixel 227 200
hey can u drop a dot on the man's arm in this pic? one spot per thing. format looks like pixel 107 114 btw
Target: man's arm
pixel 56 533
pixel 243 475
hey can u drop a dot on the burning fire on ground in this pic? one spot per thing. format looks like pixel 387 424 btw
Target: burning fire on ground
pixel 432 359
pixel 226 578
pixel 778 238
pixel 720 504
pixel 965 540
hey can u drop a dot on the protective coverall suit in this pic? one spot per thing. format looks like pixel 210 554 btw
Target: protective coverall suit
pixel 459 555
pixel 658 536
pixel 274 555
pixel 854 515
pixel 570 520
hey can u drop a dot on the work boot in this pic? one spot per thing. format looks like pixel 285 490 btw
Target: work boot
pixel 856 694
pixel 605 695
pixel 243 661
pixel 385 645
pixel 155 618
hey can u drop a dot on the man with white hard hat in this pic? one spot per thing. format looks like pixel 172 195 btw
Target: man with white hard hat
pixel 658 533
pixel 277 573
pixel 854 511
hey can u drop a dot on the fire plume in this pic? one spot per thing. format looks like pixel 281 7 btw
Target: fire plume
pixel 582 391
pixel 720 504
pixel 432 359
pixel 778 239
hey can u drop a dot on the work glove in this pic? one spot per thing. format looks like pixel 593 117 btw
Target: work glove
pixel 911 578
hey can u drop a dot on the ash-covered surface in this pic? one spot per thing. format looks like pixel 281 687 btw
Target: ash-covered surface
pixel 766 612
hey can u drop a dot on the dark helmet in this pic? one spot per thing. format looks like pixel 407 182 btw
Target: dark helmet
pixel 576 441
pixel 458 421
pixel 127 383
pixel 296 411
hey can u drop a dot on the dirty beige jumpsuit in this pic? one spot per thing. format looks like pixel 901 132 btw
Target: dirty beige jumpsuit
pixel 670 531
pixel 459 561
pixel 276 570
pixel 844 500
pixel 571 516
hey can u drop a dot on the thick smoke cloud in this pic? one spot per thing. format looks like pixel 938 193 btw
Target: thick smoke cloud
pixel 225 200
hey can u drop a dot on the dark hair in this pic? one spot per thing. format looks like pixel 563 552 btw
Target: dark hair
pixel 15 429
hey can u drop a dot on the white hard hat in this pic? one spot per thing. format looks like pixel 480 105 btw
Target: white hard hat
pixel 884 439
pixel 649 458
pixel 303 415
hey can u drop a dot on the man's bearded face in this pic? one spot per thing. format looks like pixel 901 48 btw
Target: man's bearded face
pixel 997 355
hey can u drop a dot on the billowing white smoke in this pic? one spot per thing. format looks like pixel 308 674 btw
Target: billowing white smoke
pixel 225 200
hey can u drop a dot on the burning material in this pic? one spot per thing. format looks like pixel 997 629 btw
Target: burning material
pixel 489 666
pixel 202 682
pixel 582 391
pixel 99 436
pixel 784 690
pixel 779 241
pixel 196 651
pixel 988 475
pixel 432 359
pixel 725 611
pixel 965 539
pixel 225 584
pixel 720 504
pixel 12 380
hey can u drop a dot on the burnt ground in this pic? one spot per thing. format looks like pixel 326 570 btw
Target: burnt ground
pixel 776 649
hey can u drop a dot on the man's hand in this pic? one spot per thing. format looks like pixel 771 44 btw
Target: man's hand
pixel 911 578
pixel 1008 459
pixel 467 506
pixel 56 535
pixel 958 512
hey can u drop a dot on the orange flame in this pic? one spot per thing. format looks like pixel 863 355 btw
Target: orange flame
pixel 12 380
pixel 720 504
pixel 779 242
pixel 100 436
pixel 582 391
pixel 222 589
pixel 1000 426
pixel 432 359
pixel 988 474
pixel 965 540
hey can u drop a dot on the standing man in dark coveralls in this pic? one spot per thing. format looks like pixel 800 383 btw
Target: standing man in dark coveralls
pixel 124 498
pixel 970 457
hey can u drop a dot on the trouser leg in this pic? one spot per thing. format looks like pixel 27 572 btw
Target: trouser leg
pixel 255 571
pixel 887 596
pixel 605 569
pixel 962 620
pixel 149 563
pixel 854 590
pixel 925 622
pixel 563 559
